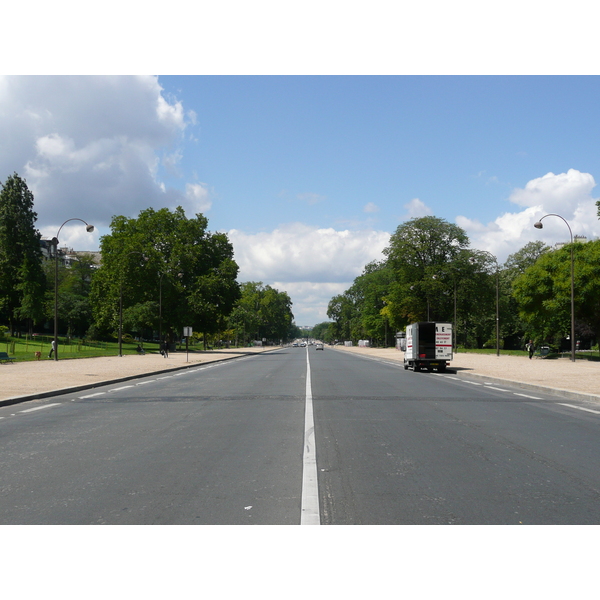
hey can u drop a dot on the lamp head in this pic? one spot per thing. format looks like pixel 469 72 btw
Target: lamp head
pixel 538 225
pixel 89 228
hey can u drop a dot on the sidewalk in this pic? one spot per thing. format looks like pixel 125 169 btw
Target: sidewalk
pixel 36 379
pixel 22 381
pixel 577 380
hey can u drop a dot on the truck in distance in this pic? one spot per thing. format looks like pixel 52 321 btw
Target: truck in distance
pixel 428 346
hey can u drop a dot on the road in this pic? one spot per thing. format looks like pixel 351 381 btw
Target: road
pixel 229 443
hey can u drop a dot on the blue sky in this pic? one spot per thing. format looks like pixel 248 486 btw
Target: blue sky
pixel 318 149
pixel 310 140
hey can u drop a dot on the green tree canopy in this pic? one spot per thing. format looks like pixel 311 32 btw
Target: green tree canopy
pixel 543 292
pixel 263 312
pixel 163 257
pixel 427 256
pixel 22 281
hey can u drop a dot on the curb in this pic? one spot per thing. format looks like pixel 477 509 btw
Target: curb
pixel 558 392
pixel 91 386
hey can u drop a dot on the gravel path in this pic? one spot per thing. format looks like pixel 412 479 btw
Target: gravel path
pixel 581 376
pixel 35 377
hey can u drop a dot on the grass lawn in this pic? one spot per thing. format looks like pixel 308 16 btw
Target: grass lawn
pixel 25 348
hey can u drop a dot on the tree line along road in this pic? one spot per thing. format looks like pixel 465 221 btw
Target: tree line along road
pixel 235 443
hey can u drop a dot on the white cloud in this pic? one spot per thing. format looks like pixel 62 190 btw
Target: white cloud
pixel 417 208
pixel 566 194
pixel 311 264
pixel 298 252
pixel 198 196
pixel 371 207
pixel 310 300
pixel 556 193
pixel 89 147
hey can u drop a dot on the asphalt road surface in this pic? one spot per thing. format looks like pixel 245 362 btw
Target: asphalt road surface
pixel 234 443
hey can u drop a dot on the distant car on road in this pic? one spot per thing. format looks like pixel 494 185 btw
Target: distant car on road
pixel 319 346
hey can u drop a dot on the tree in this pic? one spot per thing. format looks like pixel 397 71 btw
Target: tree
pixel 262 312
pixel 22 279
pixel 514 328
pixel 323 331
pixel 543 293
pixel 165 258
pixel 424 254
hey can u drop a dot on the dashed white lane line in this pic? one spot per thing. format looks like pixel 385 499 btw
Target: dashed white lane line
pixel 120 388
pixel 40 407
pixel 526 396
pixel 92 395
pixel 596 412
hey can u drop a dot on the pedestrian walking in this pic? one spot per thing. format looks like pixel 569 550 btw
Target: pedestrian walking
pixel 165 350
pixel 52 349
pixel 530 348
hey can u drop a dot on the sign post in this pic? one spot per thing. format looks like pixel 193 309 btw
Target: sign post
pixel 187 333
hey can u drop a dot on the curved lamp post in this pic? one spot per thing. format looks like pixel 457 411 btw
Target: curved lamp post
pixel 89 228
pixel 539 225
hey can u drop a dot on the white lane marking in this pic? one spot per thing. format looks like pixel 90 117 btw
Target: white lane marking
pixel 120 388
pixel 596 412
pixel 145 382
pixel 526 396
pixel 310 488
pixel 473 382
pixel 491 387
pixel 40 407
pixel 92 395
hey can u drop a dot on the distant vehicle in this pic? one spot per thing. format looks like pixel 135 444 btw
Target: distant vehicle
pixel 303 344
pixel 318 346
pixel 295 344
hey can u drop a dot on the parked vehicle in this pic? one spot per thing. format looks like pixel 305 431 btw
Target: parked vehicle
pixel 428 346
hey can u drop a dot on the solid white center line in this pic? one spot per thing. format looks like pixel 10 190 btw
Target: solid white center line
pixel 310 487
pixel 40 407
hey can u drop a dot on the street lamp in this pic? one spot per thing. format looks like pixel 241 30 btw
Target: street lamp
pixel 89 229
pixel 473 260
pixel 539 225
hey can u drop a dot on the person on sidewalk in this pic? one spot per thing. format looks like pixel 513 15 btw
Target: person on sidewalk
pixel 52 349
pixel 530 348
